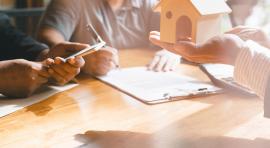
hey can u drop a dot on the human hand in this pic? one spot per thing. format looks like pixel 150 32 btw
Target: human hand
pixel 101 61
pixel 63 71
pixel 20 78
pixel 249 33
pixel 164 61
pixel 220 49
pixel 64 49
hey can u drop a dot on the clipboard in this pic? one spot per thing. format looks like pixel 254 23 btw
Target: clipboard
pixel 158 87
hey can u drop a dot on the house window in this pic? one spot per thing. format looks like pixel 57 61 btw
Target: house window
pixel 169 14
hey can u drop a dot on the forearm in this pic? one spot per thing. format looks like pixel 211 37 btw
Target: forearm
pixel 50 36
pixel 252 68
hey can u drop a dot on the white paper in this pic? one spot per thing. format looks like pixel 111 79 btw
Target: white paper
pixel 8 105
pixel 151 86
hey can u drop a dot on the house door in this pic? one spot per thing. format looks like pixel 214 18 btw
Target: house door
pixel 183 28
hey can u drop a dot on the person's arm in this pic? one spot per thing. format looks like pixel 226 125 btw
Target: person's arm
pixel 251 60
pixel 59 21
pixel 15 44
pixel 20 78
pixel 50 36
pixel 58 24
pixel 252 67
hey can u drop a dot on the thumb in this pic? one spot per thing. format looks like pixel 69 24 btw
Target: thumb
pixel 155 39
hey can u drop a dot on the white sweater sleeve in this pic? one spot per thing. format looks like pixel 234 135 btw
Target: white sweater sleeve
pixel 252 67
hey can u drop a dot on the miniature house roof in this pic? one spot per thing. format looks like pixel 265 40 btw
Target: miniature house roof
pixel 204 7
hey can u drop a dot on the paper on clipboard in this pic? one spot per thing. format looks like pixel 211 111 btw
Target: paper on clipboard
pixel 158 87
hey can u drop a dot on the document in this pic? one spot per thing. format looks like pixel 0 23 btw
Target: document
pixel 158 87
pixel 9 105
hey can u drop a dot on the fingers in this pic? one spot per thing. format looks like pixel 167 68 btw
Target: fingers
pixel 235 30
pixel 101 62
pixel 153 63
pixel 38 77
pixel 245 32
pixel 240 29
pixel 57 77
pixel 154 33
pixel 39 73
pixel 77 62
pixel 115 59
pixel 108 55
pixel 63 71
pixel 159 66
pixel 41 79
pixel 170 65
pixel 48 62
pixel 44 73
pixel 164 61
pixel 155 39
pixel 114 63
pixel 183 47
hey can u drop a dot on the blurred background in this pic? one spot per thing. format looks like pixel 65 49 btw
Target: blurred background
pixel 25 14
pixel 254 13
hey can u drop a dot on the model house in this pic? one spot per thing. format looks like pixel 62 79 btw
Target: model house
pixel 195 19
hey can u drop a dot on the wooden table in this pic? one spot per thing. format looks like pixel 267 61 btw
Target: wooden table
pixel 96 115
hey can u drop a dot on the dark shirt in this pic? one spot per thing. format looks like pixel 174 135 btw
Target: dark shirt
pixel 15 44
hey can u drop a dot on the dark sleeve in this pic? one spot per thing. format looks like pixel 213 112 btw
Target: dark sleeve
pixel 15 44
pixel 267 100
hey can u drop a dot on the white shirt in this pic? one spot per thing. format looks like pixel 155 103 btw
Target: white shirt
pixel 252 69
